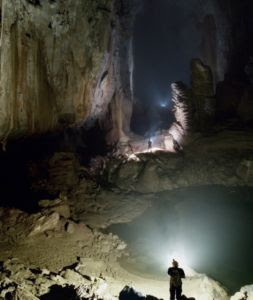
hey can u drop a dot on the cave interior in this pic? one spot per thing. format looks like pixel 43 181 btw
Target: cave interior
pixel 126 133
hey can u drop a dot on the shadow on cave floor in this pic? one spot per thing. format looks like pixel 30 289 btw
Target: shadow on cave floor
pixel 210 228
pixel 60 293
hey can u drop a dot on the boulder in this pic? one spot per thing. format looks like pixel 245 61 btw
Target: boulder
pixel 59 206
pixel 74 278
pixel 45 223
pixel 128 293
pixel 62 171
pixel 20 294
pixel 67 284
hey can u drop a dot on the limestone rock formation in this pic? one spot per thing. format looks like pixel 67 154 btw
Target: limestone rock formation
pixel 62 63
pixel 49 232
pixel 52 54
pixel 78 187
pixel 55 206
pixel 180 98
pixel 69 260
pixel 224 159
pixel 246 292
pixel 69 283
pixel 203 287
pixel 119 190
pixel 202 95
pixel 73 282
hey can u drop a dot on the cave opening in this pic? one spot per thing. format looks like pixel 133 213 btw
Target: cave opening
pixel 208 229
pixel 162 53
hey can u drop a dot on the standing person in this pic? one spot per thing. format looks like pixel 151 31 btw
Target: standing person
pixel 176 274
pixel 150 145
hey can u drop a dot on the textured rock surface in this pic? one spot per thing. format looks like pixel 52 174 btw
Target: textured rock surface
pixel 73 282
pixel 69 283
pixel 223 159
pixel 96 206
pixel 51 241
pixel 182 108
pixel 62 263
pixel 119 190
pixel 62 62
pixel 203 94
pixel 241 295
pixel 51 56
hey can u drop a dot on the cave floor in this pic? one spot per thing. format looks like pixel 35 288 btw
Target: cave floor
pixel 57 252
pixel 137 185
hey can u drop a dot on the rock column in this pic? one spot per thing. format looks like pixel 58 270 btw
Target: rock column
pixel 203 99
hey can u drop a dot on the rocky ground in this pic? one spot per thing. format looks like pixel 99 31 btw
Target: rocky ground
pixel 61 247
pixel 117 190
pixel 48 256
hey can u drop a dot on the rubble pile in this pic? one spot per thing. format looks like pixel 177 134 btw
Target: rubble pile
pixel 50 238
pixel 20 282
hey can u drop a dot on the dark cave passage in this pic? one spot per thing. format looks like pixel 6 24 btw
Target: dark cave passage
pixel 210 226
pixel 162 55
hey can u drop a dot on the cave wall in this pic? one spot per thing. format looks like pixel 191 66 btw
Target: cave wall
pixel 239 15
pixel 225 28
pixel 117 119
pixel 65 62
pixel 214 26
pixel 62 62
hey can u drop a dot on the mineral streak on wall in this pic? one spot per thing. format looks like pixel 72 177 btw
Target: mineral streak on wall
pixel 59 62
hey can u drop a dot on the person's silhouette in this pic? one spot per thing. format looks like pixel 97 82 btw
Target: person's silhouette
pixel 150 145
pixel 176 274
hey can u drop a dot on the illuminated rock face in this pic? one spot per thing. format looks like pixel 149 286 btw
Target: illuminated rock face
pixel 118 191
pixel 69 283
pixel 241 295
pixel 204 288
pixel 224 159
pixel 62 62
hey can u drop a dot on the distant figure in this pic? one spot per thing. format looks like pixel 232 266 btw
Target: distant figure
pixel 150 145
pixel 176 274
pixel 177 147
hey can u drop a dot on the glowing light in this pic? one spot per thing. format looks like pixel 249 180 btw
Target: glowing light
pixel 163 104
pixel 184 261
